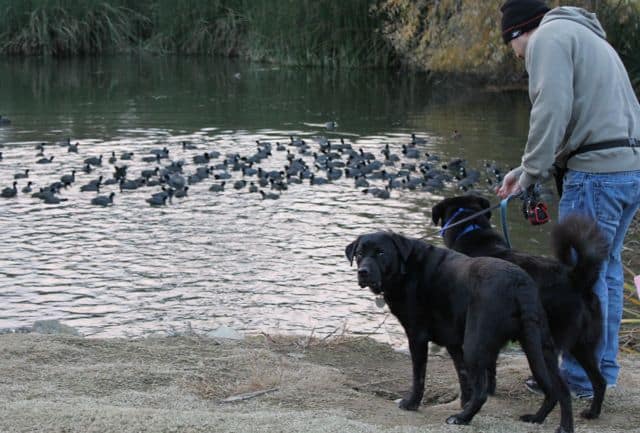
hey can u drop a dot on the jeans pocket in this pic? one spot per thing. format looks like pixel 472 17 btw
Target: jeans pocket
pixel 611 197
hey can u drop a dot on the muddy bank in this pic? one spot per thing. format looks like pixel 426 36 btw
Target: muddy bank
pixel 58 383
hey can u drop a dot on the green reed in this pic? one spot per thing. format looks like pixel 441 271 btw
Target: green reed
pixel 316 32
pixel 196 27
pixel 68 27
pixel 300 32
pixel 297 32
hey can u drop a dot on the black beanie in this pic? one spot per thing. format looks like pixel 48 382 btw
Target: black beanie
pixel 521 16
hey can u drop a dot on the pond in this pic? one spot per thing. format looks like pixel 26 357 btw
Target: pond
pixel 223 258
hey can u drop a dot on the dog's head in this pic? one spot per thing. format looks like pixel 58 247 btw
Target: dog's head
pixel 380 257
pixel 442 211
pixel 453 209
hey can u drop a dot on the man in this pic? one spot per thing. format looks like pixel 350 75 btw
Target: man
pixel 585 120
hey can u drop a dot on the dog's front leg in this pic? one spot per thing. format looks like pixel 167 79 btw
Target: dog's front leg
pixel 418 349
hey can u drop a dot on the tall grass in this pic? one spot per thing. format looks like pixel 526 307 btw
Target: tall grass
pixel 68 27
pixel 301 32
pixel 342 33
pixel 196 27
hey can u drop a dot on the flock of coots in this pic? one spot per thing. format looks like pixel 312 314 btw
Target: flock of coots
pixel 315 161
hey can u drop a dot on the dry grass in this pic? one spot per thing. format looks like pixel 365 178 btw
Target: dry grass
pixel 71 384
pixel 630 332
pixel 256 376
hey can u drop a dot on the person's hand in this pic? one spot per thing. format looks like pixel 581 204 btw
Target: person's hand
pixel 509 184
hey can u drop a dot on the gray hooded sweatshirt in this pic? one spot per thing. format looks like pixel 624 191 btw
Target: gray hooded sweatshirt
pixel 580 94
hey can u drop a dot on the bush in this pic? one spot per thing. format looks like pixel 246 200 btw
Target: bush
pixel 463 36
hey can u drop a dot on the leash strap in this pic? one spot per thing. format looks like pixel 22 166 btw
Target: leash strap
pixel 503 219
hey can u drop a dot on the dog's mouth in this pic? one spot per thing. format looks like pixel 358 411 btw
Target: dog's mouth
pixel 370 275
pixel 375 286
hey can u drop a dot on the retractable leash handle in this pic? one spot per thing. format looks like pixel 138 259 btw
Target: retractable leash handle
pixel 538 214
pixel 534 210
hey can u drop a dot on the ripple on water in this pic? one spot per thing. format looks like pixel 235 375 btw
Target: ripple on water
pixel 207 259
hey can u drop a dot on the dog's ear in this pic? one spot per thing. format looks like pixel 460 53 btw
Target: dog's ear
pixel 350 250
pixel 437 212
pixel 484 204
pixel 404 246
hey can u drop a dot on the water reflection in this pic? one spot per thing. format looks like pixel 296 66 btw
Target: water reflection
pixel 219 258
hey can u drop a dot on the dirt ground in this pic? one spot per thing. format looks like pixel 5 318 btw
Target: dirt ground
pixel 53 383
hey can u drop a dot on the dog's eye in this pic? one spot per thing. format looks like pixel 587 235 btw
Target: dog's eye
pixel 380 253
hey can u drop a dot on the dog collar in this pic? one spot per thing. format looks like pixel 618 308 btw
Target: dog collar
pixel 468 229
pixel 451 221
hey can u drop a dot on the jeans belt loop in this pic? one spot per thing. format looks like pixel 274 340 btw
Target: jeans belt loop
pixel 633 142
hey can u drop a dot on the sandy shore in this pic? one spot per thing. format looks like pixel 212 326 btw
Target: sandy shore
pixel 53 383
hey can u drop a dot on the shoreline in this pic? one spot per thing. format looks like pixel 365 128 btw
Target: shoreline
pixel 55 383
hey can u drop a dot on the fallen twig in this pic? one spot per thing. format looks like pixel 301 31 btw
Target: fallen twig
pixel 247 396
pixel 330 334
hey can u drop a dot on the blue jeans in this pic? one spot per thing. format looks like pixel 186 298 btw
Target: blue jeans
pixel 612 199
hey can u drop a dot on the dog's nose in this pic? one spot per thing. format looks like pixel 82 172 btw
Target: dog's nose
pixel 363 272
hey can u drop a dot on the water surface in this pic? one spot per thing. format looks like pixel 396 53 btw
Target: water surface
pixel 227 258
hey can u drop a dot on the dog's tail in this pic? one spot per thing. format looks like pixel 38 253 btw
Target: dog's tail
pixel 580 244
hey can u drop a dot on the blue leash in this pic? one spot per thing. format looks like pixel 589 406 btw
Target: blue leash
pixel 503 215
pixel 503 219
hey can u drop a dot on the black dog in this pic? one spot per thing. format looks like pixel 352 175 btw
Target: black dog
pixel 566 284
pixel 471 306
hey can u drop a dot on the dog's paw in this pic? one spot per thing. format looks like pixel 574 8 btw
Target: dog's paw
pixel 409 404
pixel 456 420
pixel 589 414
pixel 531 419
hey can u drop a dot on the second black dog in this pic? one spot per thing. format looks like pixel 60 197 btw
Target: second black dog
pixel 471 306
pixel 566 284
